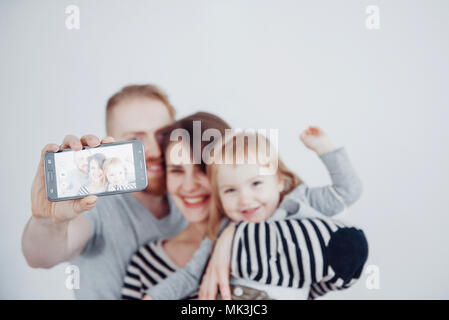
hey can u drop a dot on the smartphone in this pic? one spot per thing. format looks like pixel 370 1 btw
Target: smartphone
pixel 104 170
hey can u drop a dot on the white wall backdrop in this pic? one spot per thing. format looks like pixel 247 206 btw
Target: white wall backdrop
pixel 260 64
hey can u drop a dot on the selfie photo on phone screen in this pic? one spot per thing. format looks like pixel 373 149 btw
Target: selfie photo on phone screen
pixel 102 170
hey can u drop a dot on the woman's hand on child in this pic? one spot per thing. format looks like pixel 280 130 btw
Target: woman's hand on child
pixel 317 140
pixel 218 269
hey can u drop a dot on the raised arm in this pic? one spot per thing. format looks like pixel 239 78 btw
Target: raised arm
pixel 56 232
pixel 346 187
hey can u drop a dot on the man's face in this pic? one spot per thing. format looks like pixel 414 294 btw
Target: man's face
pixel 80 158
pixel 139 118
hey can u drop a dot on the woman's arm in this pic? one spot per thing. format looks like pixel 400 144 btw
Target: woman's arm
pixel 185 281
pixel 216 277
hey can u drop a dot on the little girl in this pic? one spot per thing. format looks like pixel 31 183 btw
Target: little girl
pixel 116 175
pixel 241 193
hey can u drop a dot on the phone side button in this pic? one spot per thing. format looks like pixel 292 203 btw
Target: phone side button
pixel 49 164
pixel 50 176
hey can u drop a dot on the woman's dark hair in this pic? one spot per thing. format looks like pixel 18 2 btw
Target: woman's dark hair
pixel 99 157
pixel 207 120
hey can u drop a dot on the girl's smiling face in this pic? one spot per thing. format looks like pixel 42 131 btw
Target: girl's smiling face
pixel 116 175
pixel 245 194
pixel 187 184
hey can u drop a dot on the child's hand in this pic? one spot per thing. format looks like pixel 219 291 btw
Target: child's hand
pixel 317 140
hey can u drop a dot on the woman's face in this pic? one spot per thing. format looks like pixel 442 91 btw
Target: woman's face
pixel 95 172
pixel 187 184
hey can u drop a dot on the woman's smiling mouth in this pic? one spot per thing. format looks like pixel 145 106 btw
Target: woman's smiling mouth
pixel 195 201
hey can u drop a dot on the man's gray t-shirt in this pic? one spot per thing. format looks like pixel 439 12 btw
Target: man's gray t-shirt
pixel 120 225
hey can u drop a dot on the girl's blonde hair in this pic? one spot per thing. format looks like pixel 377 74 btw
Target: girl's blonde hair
pixel 290 179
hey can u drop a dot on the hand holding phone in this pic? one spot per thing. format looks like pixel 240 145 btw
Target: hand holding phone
pixel 61 211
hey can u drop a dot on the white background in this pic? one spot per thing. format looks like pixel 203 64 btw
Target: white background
pixel 260 64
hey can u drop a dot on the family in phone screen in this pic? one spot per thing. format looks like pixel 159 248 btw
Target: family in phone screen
pixel 93 171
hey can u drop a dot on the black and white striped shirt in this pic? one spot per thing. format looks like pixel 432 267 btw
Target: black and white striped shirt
pixel 129 186
pixel 84 191
pixel 319 253
pixel 148 266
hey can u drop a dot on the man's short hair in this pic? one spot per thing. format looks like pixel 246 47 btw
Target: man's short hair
pixel 139 91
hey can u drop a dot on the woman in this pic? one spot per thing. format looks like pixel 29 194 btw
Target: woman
pixel 189 187
pixel 97 181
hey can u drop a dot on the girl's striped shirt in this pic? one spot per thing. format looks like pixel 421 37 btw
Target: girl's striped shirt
pixel 298 253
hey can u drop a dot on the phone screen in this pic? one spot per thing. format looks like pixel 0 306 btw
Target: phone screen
pixel 95 170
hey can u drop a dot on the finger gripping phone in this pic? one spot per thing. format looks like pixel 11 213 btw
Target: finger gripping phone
pixel 104 170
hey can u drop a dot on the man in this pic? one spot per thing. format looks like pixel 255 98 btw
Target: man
pixel 100 235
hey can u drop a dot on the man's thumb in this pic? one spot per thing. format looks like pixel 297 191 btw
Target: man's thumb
pixel 85 204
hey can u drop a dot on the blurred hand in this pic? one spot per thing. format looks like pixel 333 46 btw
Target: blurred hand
pixel 61 211
pixel 317 140
pixel 217 273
